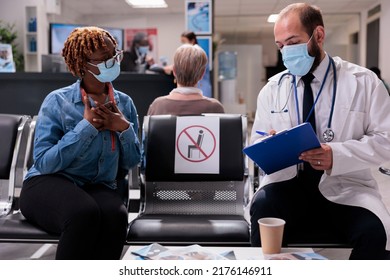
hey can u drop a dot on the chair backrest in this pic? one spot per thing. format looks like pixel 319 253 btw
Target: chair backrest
pixel 13 141
pixel 26 158
pixel 209 180
pixel 29 159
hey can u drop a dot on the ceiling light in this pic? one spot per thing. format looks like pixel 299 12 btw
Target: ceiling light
pixel 272 18
pixel 147 3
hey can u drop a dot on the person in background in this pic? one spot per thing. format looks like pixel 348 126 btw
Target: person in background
pixel 189 67
pixel 333 190
pixel 137 59
pixel 85 134
pixel 189 37
pixel 377 71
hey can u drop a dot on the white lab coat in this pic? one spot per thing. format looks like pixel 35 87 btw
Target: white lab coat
pixel 361 124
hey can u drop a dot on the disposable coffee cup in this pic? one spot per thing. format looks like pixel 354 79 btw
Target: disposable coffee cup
pixel 271 234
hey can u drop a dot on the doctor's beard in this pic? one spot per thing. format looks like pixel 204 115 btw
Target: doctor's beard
pixel 315 51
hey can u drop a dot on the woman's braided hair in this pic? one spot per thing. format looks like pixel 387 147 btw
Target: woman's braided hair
pixel 80 44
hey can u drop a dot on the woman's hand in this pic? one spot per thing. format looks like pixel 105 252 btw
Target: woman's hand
pixel 109 117
pixel 89 113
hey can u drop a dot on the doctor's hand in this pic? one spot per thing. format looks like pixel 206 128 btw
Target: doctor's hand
pixel 320 158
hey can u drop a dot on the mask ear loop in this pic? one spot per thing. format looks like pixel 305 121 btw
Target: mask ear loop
pixel 312 35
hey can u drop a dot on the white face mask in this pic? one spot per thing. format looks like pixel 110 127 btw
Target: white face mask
pixel 109 69
pixel 107 74
pixel 296 58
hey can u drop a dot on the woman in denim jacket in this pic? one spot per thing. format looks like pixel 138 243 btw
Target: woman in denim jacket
pixel 85 134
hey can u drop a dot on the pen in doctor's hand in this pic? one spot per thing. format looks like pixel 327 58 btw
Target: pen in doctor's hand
pixel 262 133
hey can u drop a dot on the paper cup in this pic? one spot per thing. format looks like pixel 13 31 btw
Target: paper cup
pixel 271 234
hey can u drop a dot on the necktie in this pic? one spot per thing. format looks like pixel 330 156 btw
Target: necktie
pixel 308 100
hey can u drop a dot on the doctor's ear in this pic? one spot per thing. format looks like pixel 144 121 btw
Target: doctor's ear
pixel 319 34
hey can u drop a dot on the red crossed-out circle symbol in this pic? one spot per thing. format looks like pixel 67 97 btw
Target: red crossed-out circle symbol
pixel 187 135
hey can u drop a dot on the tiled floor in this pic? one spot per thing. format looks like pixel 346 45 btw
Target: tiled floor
pixel 47 251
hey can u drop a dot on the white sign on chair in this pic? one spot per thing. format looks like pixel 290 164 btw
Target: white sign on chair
pixel 197 145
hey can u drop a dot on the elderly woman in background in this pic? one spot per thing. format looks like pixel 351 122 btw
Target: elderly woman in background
pixel 189 66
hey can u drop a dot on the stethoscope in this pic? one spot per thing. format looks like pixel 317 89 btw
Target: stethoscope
pixel 328 134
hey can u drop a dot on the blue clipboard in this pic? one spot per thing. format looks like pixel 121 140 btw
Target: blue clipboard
pixel 283 149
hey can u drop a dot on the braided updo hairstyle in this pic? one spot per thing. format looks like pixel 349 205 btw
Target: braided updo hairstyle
pixel 80 44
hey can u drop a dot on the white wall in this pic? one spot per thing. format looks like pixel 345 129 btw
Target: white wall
pixel 13 12
pixel 337 43
pixel 250 73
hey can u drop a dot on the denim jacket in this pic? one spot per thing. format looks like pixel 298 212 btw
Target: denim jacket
pixel 66 143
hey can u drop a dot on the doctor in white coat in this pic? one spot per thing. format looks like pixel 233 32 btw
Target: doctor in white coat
pixel 334 192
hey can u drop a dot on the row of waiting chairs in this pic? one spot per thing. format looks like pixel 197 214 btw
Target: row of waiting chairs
pixel 16 145
pixel 174 209
pixel 186 208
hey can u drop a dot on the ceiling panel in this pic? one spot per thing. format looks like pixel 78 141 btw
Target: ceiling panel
pixel 230 16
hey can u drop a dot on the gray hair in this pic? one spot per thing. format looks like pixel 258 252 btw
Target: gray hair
pixel 189 64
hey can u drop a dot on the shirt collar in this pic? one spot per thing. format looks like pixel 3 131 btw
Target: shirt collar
pixel 77 92
pixel 319 72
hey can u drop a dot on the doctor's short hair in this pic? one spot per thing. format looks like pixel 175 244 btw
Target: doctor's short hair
pixel 189 63
pixel 310 15
pixel 81 43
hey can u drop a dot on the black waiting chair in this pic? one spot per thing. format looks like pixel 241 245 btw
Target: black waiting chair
pixel 193 181
pixel 13 143
pixel 16 156
pixel 16 152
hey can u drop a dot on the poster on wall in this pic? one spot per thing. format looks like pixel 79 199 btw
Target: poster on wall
pixel 198 16
pixel 205 42
pixel 6 59
pixel 149 33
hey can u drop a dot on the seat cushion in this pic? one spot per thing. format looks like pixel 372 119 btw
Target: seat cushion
pixel 15 227
pixel 226 230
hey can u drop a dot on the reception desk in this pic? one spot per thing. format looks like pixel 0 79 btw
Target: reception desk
pixel 23 93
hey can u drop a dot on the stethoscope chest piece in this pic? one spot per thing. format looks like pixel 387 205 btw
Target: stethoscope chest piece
pixel 328 135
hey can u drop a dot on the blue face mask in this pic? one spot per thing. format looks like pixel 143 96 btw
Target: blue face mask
pixel 296 58
pixel 143 50
pixel 107 74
